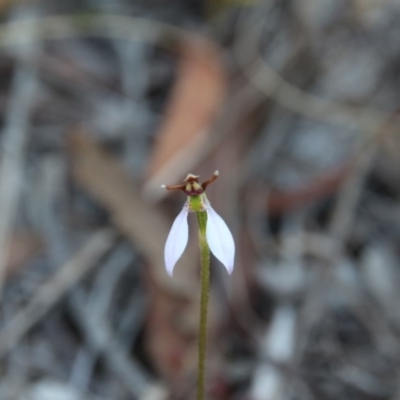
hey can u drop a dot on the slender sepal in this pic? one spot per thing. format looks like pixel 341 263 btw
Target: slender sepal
pixel 176 241
pixel 220 239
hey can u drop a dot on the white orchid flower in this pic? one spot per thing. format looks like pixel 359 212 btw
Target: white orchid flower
pixel 218 235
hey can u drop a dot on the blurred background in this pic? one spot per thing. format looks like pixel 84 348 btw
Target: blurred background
pixel 296 104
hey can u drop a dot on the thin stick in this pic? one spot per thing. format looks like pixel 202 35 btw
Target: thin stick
pixel 12 158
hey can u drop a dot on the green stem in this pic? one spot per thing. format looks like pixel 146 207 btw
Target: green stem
pixel 205 289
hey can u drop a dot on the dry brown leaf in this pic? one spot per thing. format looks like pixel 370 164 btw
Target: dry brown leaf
pixel 23 245
pixel 281 201
pixel 105 178
pixel 195 101
pixel 171 340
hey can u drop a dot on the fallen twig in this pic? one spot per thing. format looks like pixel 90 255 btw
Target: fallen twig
pixel 51 292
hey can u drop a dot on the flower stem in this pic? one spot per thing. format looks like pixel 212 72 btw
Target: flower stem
pixel 205 289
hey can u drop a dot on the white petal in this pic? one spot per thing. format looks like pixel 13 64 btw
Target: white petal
pixel 176 241
pixel 219 239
